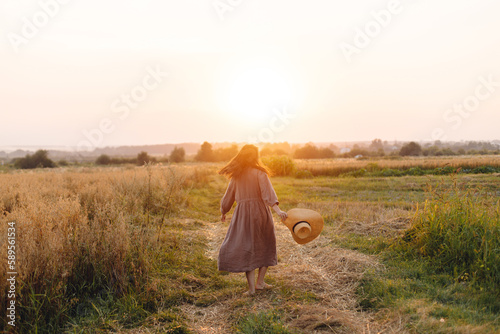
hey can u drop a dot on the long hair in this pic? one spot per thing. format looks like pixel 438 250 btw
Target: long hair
pixel 247 157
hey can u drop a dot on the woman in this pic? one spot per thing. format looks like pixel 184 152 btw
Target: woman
pixel 250 241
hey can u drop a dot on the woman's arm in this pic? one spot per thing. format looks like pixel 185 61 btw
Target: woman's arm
pixel 227 200
pixel 269 195
pixel 280 213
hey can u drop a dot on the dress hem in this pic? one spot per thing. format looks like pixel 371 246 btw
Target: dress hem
pixel 246 270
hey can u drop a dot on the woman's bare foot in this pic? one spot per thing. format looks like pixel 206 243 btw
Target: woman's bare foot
pixel 263 286
pixel 248 293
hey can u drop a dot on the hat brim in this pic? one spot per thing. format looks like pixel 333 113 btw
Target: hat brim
pixel 311 217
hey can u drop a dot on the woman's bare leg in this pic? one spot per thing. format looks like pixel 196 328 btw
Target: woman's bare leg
pixel 251 281
pixel 260 279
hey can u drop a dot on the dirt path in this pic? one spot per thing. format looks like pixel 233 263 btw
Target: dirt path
pixel 319 268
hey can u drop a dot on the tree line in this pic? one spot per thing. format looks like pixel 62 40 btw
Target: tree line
pixel 207 153
pixel 177 155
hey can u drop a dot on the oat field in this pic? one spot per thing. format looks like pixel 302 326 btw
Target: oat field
pixel 134 250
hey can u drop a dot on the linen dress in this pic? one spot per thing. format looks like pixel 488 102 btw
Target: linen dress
pixel 250 241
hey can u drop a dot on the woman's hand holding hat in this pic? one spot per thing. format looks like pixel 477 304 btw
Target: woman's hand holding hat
pixel 282 214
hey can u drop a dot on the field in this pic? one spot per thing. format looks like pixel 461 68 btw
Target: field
pixel 395 165
pixel 134 250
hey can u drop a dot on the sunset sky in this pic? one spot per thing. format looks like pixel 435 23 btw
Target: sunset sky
pixel 106 73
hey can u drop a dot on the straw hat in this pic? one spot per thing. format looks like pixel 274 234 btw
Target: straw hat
pixel 304 224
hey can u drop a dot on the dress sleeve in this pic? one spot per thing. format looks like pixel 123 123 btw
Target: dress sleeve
pixel 266 190
pixel 227 200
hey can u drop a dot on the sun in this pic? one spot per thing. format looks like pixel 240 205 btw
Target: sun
pixel 254 92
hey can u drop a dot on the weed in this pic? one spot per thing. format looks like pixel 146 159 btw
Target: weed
pixel 262 322
pixel 459 232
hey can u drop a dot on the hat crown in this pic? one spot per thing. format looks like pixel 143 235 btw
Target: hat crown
pixel 302 229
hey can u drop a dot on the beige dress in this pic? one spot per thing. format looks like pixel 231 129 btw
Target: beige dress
pixel 250 241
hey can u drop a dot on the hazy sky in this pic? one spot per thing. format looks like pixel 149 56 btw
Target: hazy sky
pixel 101 73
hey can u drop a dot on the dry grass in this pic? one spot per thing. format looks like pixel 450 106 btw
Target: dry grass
pixel 83 231
pixel 336 167
pixel 317 281
pixel 370 219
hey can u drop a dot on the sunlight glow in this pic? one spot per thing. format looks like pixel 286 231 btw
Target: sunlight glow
pixel 254 93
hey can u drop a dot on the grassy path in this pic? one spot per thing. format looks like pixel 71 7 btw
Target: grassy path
pixel 314 285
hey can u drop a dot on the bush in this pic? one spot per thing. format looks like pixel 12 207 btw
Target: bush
pixel 356 173
pixel 144 158
pixel 103 159
pixel 63 163
pixel 390 172
pixel 281 165
pixel 205 153
pixel 225 154
pixel 38 160
pixel 444 170
pixel 372 167
pixel 411 149
pixel 303 174
pixel 415 171
pixel 459 231
pixel 484 170
pixel 177 155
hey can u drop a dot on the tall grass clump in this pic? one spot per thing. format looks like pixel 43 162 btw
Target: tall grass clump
pixel 280 165
pixel 458 230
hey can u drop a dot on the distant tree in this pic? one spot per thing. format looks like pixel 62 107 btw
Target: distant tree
pixel 310 151
pixel 226 153
pixel 356 151
pixel 283 148
pixel 430 151
pixel 447 151
pixel 177 155
pixel 103 159
pixel 334 149
pixel 376 145
pixel 143 158
pixel 410 149
pixel 205 153
pixel 266 151
pixel 280 151
pixel 39 159
pixel 326 153
pixel 63 163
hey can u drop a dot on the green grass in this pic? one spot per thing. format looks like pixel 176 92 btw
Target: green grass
pixel 458 231
pixel 444 272
pixel 262 322
pixel 418 289
pixel 336 168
